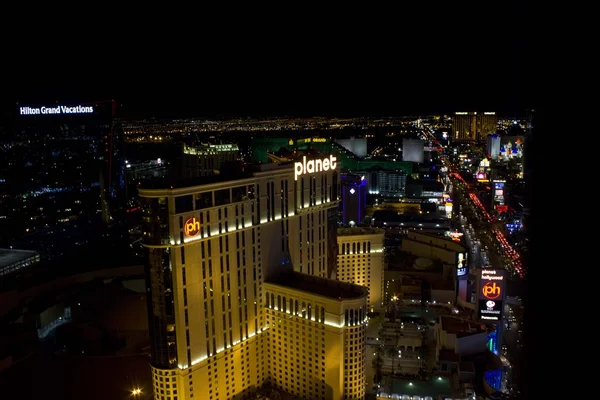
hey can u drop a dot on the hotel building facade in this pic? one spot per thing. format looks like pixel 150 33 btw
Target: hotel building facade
pixel 316 336
pixel 211 249
pixel 361 261
pixel 473 126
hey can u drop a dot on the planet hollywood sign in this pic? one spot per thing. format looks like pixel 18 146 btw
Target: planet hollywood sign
pixel 312 166
pixel 191 227
pixel 491 294
pixel 56 110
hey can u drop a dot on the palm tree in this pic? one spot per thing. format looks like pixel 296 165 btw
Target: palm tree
pixel 377 363
pixel 392 352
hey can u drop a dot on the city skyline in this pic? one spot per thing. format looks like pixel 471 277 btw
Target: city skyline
pixel 217 227
pixel 273 213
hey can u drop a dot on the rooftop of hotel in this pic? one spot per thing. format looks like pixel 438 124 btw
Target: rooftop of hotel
pixel 449 244
pixel 320 286
pixel 461 327
pixel 404 261
pixel 360 230
pixel 230 171
pixel 284 155
pixel 393 216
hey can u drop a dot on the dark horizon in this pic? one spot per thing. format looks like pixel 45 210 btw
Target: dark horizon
pixel 420 79
pixel 131 107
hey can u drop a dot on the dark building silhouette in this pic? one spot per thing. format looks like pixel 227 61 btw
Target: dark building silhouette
pixel 354 199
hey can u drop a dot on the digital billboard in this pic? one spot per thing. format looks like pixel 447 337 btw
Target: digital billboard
pixel 499 192
pixel 491 288
pixel 462 267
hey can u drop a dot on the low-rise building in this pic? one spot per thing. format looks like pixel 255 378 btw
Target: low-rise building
pixel 459 336
pixel 436 248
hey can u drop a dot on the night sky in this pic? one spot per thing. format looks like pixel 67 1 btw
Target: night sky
pixel 410 65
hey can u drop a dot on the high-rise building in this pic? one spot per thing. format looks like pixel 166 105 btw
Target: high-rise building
pixel 361 260
pixel 464 126
pixel 493 146
pixel 473 126
pixel 358 146
pixel 354 199
pixel 210 250
pixel 392 183
pixel 487 124
pixel 204 159
pixel 388 183
pixel 413 150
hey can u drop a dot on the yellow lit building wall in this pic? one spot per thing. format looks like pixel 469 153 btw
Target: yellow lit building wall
pixel 360 260
pixel 316 344
pixel 464 126
pixel 314 194
pixel 215 276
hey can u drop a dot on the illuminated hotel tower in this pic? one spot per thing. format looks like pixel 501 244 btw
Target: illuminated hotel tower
pixel 360 260
pixel 214 252
pixel 473 126
pixel 464 126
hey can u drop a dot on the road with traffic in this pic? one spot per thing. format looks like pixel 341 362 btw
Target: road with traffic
pixel 490 231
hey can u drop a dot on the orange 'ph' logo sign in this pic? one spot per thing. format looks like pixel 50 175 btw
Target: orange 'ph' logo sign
pixel 191 227
pixel 491 291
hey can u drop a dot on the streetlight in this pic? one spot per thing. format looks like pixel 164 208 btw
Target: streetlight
pixel 136 392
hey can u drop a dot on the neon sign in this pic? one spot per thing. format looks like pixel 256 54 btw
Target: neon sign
pixel 491 290
pixel 492 284
pixel 312 166
pixel 56 110
pixel 191 227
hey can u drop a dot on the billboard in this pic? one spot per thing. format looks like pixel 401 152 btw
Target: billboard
pixel 491 288
pixel 499 192
pixel 462 266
